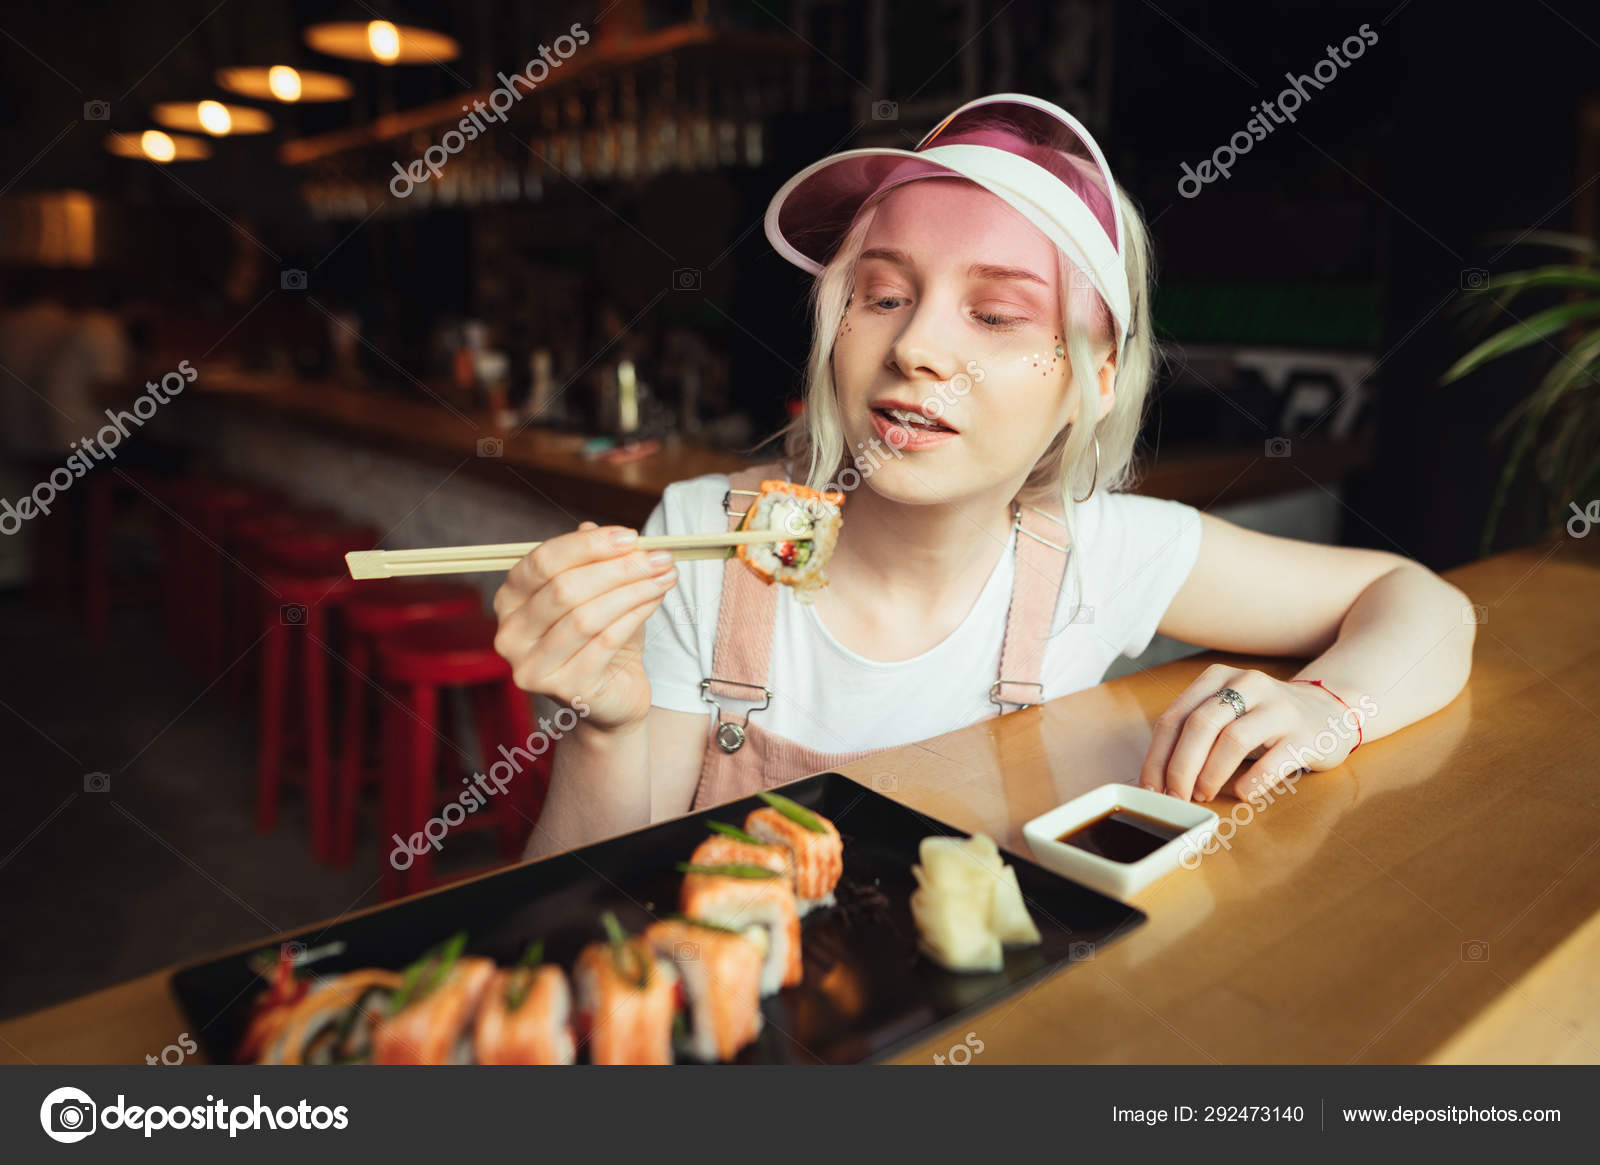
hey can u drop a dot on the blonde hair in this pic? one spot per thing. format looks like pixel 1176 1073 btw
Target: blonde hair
pixel 814 440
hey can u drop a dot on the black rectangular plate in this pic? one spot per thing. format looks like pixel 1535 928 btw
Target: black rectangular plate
pixel 866 990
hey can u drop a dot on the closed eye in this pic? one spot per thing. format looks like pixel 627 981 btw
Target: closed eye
pixel 888 303
pixel 1000 322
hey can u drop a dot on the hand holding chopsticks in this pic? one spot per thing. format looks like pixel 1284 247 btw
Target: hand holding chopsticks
pixel 501 556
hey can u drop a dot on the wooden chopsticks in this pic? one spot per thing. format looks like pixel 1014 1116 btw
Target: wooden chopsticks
pixel 502 556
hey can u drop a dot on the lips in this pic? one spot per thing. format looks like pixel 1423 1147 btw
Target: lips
pixel 910 437
pixel 911 417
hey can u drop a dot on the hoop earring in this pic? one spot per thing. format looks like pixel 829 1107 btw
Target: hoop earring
pixel 1095 480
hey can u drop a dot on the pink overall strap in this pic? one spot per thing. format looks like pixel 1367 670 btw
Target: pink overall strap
pixel 1041 564
pixel 742 656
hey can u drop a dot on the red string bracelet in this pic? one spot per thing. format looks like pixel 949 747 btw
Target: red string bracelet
pixel 1336 696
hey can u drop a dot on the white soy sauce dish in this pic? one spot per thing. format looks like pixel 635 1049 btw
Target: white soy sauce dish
pixel 1190 826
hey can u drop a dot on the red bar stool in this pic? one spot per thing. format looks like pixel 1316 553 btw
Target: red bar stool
pixel 418 662
pixel 248 542
pixel 196 578
pixel 211 565
pixel 302 595
pixel 369 617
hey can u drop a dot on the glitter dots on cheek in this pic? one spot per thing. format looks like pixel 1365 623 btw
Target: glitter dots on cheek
pixel 1047 362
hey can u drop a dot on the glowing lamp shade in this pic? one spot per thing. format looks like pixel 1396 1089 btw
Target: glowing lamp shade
pixel 156 146
pixel 284 83
pixel 378 40
pixel 212 117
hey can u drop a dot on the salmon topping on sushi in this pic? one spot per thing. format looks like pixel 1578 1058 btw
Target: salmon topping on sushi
pixel 812 840
pixel 627 999
pixel 729 851
pixel 436 1028
pixel 739 897
pixel 719 974
pixel 526 1017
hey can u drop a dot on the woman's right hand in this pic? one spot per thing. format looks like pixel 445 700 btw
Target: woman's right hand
pixel 572 617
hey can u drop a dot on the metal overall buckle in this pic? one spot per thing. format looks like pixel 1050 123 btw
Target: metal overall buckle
pixel 994 693
pixel 730 736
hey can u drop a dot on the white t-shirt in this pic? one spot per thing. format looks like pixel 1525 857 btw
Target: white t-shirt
pixel 1135 553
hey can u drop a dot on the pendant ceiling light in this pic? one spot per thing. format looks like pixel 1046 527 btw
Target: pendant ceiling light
pixel 284 83
pixel 383 42
pixel 212 117
pixel 156 146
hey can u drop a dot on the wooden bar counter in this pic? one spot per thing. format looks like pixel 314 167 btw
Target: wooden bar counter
pixel 545 460
pixel 1434 899
pixel 551 462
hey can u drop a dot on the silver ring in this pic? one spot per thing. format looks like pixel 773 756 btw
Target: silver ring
pixel 1232 699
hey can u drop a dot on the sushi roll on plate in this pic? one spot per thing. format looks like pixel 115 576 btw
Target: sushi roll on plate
pixel 526 1016
pixel 720 971
pixel 333 1022
pixel 627 999
pixel 738 848
pixel 738 897
pixel 430 1017
pixel 811 517
pixel 811 839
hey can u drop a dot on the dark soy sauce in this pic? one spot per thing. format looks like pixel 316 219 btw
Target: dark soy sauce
pixel 1121 835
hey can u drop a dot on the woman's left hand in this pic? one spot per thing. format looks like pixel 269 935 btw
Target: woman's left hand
pixel 1199 743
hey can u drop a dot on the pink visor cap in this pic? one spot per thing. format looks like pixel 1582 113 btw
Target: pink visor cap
pixel 1010 144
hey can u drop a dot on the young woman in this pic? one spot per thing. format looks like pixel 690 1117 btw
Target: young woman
pixel 979 368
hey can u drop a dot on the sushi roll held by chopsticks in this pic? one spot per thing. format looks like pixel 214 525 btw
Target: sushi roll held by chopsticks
pixel 812 517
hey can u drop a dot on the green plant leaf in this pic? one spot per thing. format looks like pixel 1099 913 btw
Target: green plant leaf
pixel 1577 366
pixel 1558 276
pixel 1564 241
pixel 1535 328
pixel 1530 428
